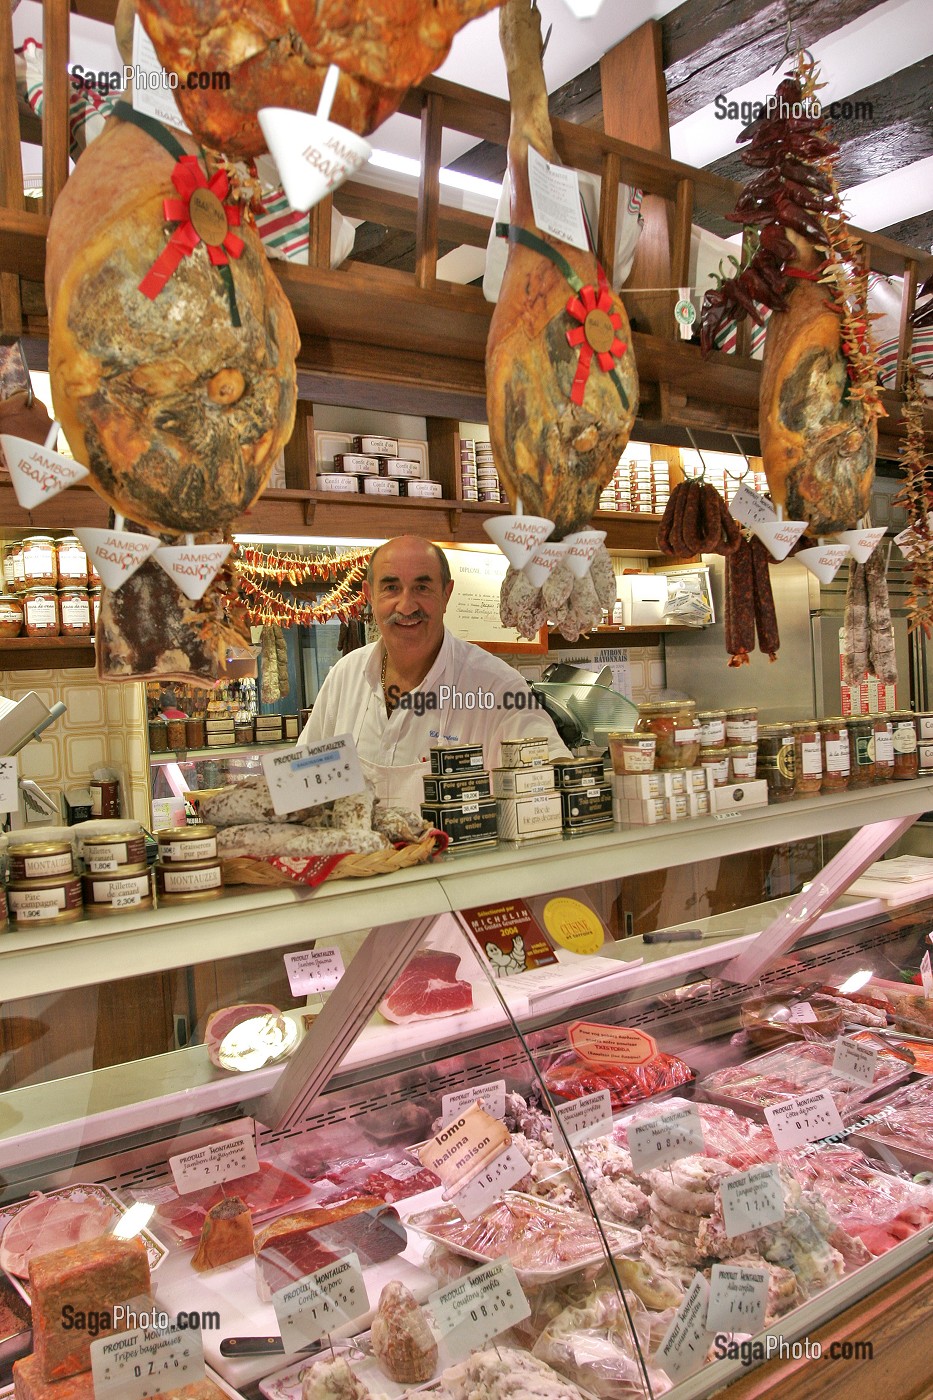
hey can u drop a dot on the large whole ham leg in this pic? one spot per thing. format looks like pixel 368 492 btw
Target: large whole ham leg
pixel 561 384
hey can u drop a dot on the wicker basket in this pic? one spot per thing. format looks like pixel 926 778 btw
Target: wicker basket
pixel 246 871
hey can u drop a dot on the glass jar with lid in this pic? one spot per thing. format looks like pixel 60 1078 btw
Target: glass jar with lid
pixel 11 615
pixel 834 737
pixel 712 726
pixel 742 725
pixel 808 758
pixel 74 608
pixel 883 742
pixel 40 562
pixel 776 761
pixel 717 760
pixel 861 750
pixel 93 577
pixel 94 594
pixel 40 612
pixel 176 734
pixel 16 555
pixel 9 572
pixel 906 752
pixel 674 726
pixel 72 563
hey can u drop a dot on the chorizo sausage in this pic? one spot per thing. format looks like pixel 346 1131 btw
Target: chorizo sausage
pixel 740 606
pixel 765 615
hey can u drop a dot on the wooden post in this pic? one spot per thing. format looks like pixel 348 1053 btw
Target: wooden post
pixel 55 125
pixel 608 211
pixel 299 450
pixel 429 191
pixel 635 110
pixel 11 172
pixel 319 227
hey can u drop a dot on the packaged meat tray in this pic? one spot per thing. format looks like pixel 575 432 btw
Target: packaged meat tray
pixel 868 1200
pixel 264 1193
pixel 543 1241
pixel 794 1070
pixel 727 1135
pixel 569 1076
pixel 906 1129
pixel 385 1174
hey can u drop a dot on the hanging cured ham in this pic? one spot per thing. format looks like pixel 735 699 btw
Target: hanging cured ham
pixel 172 346
pixel 275 53
pixel 561 383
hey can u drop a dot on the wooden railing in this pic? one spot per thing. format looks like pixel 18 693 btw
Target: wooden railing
pixel 402 307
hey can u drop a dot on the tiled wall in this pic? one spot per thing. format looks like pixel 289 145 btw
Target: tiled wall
pixel 105 727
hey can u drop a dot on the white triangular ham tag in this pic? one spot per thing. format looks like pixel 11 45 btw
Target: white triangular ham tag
pixel 193 567
pixel 38 473
pixel 117 554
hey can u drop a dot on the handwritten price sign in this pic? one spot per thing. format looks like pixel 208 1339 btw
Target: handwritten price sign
pixel 320 1303
pixel 686 1342
pixel 144 1363
pixel 738 1298
pixel 658 1141
pixel 805 1119
pixel 477 1308
pixel 220 1161
pixel 489 1184
pixel 309 776
pixel 752 1199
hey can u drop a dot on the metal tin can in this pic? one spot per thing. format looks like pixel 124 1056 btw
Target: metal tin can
pixel 861 750
pixel 531 752
pixel 114 851
pixel 579 772
pixel 457 787
pixel 182 883
pixel 187 845
pixel 456 758
pixel 105 797
pixel 529 818
pixel 129 888
pixel 41 860
pixel 53 901
pixel 471 823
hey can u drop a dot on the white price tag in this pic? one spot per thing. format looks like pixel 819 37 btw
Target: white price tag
pixel 555 200
pixel 491 1096
pixel 313 970
pixel 135 1365
pixel 308 776
pixel 473 1310
pixel 488 1185
pixel 219 1161
pixel 752 1199
pixel 9 786
pixel 665 1138
pixel 320 1303
pixel 151 93
pixel 806 1119
pixel 801 1013
pixel 686 1342
pixel 926 975
pixel 738 1298
pixel 855 1062
pixel 749 508
pixel 584 1118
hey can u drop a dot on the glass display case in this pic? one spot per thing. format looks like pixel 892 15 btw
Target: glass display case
pixel 545 1132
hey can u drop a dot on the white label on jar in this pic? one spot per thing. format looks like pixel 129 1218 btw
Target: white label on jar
pixel 10 614
pixel 120 893
pixel 39 562
pixel 101 858
pixel 72 562
pixel 720 770
pixel 744 765
pixel 742 731
pixel 837 755
pixel 905 738
pixel 41 612
pixel 179 881
pixel 884 746
pixel 686 736
pixel 712 732
pixel 811 756
pixel 35 867
pixel 19 568
pixel 76 612
pixel 204 849
pixel 33 904
pixel 638 758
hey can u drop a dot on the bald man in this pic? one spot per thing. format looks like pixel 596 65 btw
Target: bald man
pixel 419 685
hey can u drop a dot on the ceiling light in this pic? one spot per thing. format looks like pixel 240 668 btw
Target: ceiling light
pixel 456 179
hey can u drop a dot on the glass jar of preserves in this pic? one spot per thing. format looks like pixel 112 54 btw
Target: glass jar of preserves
pixel 776 761
pixel 9 573
pixel 808 758
pixel 158 736
pixel 196 733
pixel 742 725
pixel 883 741
pixel 630 752
pixel 94 594
pixel 40 562
pixel 743 761
pixel 93 577
pixel 906 752
pixel 717 760
pixel 11 615
pixel 16 554
pixel 175 734
pixel 834 737
pixel 712 726
pixel 40 612
pixel 72 563
pixel 74 608
pixel 243 731
pixel 674 726
pixel 861 751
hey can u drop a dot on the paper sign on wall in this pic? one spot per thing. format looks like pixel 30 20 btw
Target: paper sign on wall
pixel 316 773
pixel 611 1045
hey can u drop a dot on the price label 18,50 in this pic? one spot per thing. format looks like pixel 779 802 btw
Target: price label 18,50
pixel 317 773
pixel 472 1310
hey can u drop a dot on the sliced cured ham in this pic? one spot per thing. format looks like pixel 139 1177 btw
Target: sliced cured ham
pixel 47 1223
pixel 428 987
pixel 221 1023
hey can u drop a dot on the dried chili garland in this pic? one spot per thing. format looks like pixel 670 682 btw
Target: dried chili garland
pixel 297 568
pixel 258 573
pixel 916 496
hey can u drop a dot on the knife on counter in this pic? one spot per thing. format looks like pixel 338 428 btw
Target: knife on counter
pixel 233 1347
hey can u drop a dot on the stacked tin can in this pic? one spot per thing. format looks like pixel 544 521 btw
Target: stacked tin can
pixel 585 794
pixel 479 478
pixel 638 485
pixel 189 865
pixel 458 798
pixel 524 787
pixel 44 886
pixel 116 873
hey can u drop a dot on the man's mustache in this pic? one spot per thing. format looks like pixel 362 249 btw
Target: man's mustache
pixel 418 616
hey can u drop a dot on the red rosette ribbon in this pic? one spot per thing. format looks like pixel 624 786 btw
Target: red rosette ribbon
pixel 592 308
pixel 188 178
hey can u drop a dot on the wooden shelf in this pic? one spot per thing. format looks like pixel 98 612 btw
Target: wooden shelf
pixel 46 653
pixel 250 750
